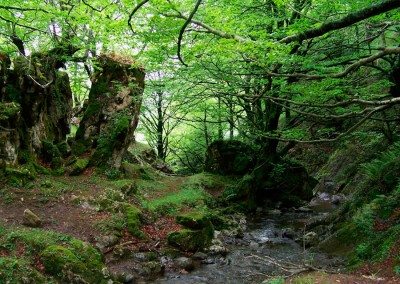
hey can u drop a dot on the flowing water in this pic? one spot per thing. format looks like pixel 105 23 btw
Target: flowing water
pixel 266 249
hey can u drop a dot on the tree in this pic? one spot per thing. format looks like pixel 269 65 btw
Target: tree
pixel 269 54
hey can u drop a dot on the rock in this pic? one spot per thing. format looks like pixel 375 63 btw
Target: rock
pixel 218 249
pixel 193 220
pixel 151 269
pixel 30 219
pixel 78 167
pixel 199 255
pixel 288 233
pixel 275 212
pixel 185 263
pixel 129 278
pixel 304 209
pixel 144 256
pixel 108 241
pixel 191 240
pixel 229 157
pixel 337 199
pixel 310 239
pixel 208 261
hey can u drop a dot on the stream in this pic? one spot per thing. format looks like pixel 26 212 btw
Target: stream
pixel 267 248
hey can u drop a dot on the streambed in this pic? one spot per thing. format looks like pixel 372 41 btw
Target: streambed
pixel 267 248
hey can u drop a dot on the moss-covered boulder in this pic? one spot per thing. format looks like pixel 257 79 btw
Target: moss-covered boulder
pixel 16 270
pixel 132 217
pixel 283 181
pixel 229 157
pixel 126 186
pixel 69 266
pixel 196 235
pixel 191 240
pixel 78 166
pixel 112 111
pixel 194 220
pixel 63 256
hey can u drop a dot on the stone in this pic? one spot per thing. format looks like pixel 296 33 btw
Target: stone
pixel 30 219
pixel 185 263
pixel 310 239
pixel 288 233
pixel 338 199
pixel 109 241
pixel 229 157
pixel 218 249
pixel 199 255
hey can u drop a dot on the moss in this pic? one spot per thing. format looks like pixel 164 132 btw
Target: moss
pixel 193 220
pixel 15 270
pixel 111 138
pixel 132 216
pixel 92 109
pixel 59 253
pixel 78 147
pixel 191 240
pixel 63 148
pixel 19 176
pixel 138 171
pixel 58 258
pixel 51 154
pixel 126 186
pixel 78 167
pixel 8 110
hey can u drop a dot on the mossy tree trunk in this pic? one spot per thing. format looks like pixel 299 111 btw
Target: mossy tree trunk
pixel 112 112
pixel 36 105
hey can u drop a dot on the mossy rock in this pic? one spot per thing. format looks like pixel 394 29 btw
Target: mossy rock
pixel 64 149
pixel 19 176
pixel 9 110
pixel 15 270
pixel 138 171
pixel 79 166
pixel 191 240
pixel 193 220
pixel 59 253
pixel 51 154
pixel 126 186
pixel 60 261
pixel 132 216
pixel 229 157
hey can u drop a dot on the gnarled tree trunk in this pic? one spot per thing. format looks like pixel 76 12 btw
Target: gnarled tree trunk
pixel 112 112
pixel 36 105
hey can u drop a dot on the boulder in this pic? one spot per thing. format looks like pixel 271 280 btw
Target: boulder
pixel 184 263
pixel 193 220
pixel 30 219
pixel 229 157
pixel 190 240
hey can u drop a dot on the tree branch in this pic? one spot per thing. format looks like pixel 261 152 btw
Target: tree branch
pixel 350 68
pixel 182 31
pixel 137 8
pixel 348 20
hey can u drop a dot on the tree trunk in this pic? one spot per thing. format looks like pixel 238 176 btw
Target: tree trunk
pixel 112 113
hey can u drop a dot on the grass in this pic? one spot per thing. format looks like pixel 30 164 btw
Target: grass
pixel 173 202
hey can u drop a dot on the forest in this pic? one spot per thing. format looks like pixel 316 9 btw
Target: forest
pixel 199 141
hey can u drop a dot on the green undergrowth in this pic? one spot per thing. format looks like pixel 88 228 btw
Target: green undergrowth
pixel 63 257
pixel 373 226
pixel 174 202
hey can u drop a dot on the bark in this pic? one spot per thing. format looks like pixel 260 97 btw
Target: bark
pixel 112 113
pixel 346 21
pixel 36 101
